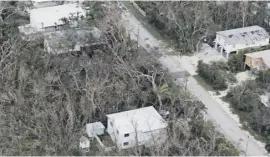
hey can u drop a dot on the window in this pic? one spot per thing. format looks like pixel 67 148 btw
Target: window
pixel 233 45
pixel 125 143
pixel 126 135
pixel 246 44
pixel 256 62
pixel 111 123
pixel 117 132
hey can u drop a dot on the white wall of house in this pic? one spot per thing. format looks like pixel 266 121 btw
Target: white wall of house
pixel 111 130
pixel 42 3
pixel 236 47
pixel 127 140
pixel 131 139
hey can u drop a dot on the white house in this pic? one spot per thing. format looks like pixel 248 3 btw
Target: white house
pixel 237 39
pixel 94 129
pixel 143 126
pixel 51 18
pixel 45 18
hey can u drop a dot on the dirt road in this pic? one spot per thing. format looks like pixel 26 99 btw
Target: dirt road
pixel 220 118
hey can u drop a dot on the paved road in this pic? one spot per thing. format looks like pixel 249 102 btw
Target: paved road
pixel 215 112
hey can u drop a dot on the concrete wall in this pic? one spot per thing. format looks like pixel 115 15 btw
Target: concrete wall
pixel 111 130
pixel 250 45
pixel 141 138
pixel 236 47
pixel 254 62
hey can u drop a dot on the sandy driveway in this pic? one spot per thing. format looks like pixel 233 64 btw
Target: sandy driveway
pixel 221 119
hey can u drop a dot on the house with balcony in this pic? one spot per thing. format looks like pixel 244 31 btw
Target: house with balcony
pixel 233 40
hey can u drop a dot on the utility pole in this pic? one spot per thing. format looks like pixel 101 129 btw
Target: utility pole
pixel 138 37
pixel 247 146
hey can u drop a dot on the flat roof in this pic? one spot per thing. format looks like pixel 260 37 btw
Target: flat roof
pixel 264 55
pixel 244 35
pixel 91 128
pixel 50 16
pixel 143 119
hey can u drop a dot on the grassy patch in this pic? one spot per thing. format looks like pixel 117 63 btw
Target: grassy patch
pixel 243 116
pixel 202 83
pixel 245 126
pixel 253 132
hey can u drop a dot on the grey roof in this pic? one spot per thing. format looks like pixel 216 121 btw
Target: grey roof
pixel 244 35
pixel 67 40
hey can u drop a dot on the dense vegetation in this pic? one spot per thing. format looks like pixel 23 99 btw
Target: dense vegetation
pixel 212 75
pixel 245 100
pixel 187 23
pixel 46 101
pixel 216 74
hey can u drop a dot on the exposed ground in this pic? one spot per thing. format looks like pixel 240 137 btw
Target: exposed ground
pixel 206 53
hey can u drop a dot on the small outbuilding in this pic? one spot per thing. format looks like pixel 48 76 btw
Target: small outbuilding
pixel 84 144
pixel 94 129
pixel 258 60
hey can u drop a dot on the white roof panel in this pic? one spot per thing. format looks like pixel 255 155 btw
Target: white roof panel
pixel 92 128
pixel 50 16
pixel 244 35
pixel 142 119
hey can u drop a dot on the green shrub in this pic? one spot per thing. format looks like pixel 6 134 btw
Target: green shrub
pixel 236 62
pixel 243 97
pixel 221 65
pixel 212 75
pixel 263 77
pixel 231 78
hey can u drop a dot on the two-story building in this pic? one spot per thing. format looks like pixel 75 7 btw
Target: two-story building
pixel 143 126
pixel 241 38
